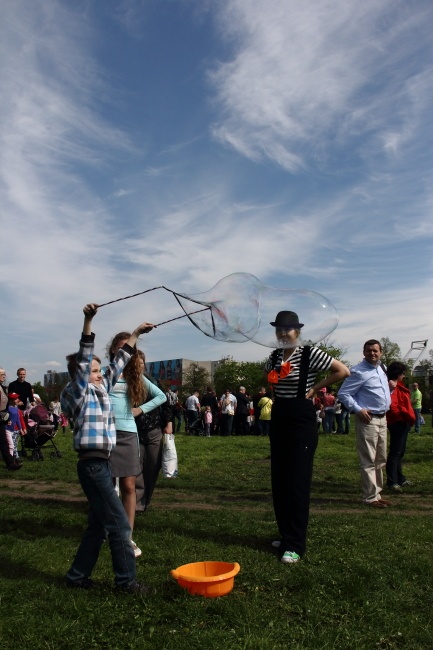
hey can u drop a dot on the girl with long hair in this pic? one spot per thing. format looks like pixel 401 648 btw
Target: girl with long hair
pixel 129 397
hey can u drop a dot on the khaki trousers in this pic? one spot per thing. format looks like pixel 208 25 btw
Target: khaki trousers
pixel 371 447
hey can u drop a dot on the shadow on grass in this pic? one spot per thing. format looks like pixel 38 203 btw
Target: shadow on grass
pixel 12 570
pixel 31 530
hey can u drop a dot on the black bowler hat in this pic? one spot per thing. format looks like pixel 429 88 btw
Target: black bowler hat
pixel 287 319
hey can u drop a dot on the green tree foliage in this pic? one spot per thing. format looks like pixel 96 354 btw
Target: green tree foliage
pixel 423 375
pixel 336 351
pixel 42 392
pixel 195 378
pixel 55 387
pixel 232 374
pixel 390 351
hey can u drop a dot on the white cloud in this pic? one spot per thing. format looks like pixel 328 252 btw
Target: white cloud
pixel 300 75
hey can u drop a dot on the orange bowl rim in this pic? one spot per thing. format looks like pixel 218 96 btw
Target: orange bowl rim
pixel 176 573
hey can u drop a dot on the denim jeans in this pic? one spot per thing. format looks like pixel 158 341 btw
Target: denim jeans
pixel 263 426
pixel 418 420
pixel 328 423
pixel 107 517
pixel 192 416
pixel 226 424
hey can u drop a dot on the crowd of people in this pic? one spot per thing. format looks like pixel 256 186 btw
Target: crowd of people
pixel 119 417
pixel 20 410
pixel 233 413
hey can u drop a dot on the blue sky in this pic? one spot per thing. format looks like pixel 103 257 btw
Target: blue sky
pixel 158 142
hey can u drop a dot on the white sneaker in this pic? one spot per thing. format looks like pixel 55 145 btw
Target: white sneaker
pixel 290 557
pixel 276 543
pixel 137 551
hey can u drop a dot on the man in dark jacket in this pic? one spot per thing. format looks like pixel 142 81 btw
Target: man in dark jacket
pixel 22 388
pixel 242 412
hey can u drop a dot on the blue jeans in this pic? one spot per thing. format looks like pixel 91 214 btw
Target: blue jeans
pixel 107 517
pixel 418 420
pixel 343 421
pixel 192 416
pixel 226 424
pixel 328 423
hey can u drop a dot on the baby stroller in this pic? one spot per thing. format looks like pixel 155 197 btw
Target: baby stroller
pixel 40 432
pixel 197 427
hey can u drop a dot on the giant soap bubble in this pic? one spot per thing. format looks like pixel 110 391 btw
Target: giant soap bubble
pixel 241 308
pixel 234 304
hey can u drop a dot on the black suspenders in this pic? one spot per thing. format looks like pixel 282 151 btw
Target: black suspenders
pixel 303 372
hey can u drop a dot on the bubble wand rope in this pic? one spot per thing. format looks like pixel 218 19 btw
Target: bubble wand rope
pixel 198 303
pixel 140 293
pixel 184 316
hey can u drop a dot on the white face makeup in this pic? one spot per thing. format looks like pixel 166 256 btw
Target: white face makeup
pixel 287 337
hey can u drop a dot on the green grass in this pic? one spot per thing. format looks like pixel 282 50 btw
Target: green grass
pixel 366 581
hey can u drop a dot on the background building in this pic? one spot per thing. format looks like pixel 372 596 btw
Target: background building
pixel 172 371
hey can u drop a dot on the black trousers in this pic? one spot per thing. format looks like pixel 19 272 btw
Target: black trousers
pixel 241 424
pixel 398 433
pixel 150 462
pixel 293 437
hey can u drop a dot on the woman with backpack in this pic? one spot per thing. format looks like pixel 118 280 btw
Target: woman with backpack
pixel 265 406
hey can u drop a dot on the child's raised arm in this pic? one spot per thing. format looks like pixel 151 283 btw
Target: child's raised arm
pixel 89 312
pixel 144 328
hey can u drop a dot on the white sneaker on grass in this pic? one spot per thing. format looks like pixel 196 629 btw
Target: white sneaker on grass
pixel 290 557
pixel 137 551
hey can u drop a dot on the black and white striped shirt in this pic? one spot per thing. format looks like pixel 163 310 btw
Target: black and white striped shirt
pixel 288 387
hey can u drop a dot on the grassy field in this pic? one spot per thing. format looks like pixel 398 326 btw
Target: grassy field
pixel 366 581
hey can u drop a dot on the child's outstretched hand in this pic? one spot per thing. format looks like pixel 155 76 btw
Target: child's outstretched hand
pixel 90 310
pixel 144 328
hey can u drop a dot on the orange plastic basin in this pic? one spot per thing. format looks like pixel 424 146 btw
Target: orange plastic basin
pixel 209 579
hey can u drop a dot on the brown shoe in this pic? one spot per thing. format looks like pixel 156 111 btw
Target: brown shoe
pixel 386 502
pixel 376 504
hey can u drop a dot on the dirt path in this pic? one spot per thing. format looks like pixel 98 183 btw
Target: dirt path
pixel 407 504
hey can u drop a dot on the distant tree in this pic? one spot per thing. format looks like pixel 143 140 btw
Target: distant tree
pixel 195 378
pixel 426 365
pixel 252 375
pixel 423 375
pixel 335 350
pixel 55 387
pixel 42 392
pixel 232 374
pixel 390 351
pixel 227 375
